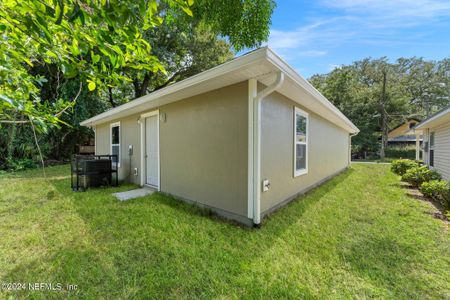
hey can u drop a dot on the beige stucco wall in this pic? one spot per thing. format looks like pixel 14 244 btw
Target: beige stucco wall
pixel 441 149
pixel 203 148
pixel 129 135
pixel 327 149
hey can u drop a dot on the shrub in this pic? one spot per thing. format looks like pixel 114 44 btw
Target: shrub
pixel 418 175
pixel 438 190
pixel 400 166
pixel 20 164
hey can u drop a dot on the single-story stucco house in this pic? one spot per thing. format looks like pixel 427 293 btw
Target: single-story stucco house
pixel 242 138
pixel 436 146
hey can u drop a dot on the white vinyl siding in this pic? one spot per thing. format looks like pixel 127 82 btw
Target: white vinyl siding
pixel 115 141
pixel 442 150
pixel 301 141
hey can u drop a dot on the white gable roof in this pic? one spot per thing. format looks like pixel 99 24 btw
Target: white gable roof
pixel 262 64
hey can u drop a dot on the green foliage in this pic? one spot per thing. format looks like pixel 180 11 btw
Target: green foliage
pixel 19 164
pixel 16 140
pixel 414 88
pixel 184 49
pixel 400 166
pixel 438 190
pixel 246 23
pixel 418 175
pixel 101 43
pixel 107 48
pixel 88 40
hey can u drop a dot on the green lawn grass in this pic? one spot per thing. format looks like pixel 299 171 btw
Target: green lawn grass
pixel 357 236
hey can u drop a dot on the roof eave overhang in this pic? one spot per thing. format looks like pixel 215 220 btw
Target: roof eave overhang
pixel 326 105
pixel 231 66
pixel 434 121
pixel 263 56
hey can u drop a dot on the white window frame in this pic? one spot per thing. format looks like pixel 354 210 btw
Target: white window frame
pixel 116 124
pixel 431 148
pixel 298 111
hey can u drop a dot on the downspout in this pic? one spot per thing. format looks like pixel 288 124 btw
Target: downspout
pixel 257 144
pixel 350 147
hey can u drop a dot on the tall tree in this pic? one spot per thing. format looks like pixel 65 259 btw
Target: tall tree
pixel 104 46
pixel 427 84
pixel 184 49
pixel 377 95
pixel 186 46
pixel 96 39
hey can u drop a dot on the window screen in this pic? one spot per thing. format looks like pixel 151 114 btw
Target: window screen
pixel 115 142
pixel 301 142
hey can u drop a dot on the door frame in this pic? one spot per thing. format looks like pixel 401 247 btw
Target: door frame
pixel 143 144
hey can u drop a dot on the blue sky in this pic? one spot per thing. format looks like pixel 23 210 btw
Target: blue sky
pixel 316 36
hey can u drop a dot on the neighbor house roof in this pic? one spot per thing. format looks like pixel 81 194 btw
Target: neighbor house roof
pixel 262 64
pixel 435 120
pixel 403 129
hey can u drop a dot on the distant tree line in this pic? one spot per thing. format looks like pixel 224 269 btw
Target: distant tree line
pixel 377 95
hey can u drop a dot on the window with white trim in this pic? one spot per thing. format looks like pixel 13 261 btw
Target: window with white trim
pixel 300 142
pixel 431 161
pixel 115 142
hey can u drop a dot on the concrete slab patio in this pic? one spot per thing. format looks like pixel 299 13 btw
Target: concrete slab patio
pixel 136 193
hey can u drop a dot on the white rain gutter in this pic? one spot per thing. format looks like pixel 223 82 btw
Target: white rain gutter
pixel 257 100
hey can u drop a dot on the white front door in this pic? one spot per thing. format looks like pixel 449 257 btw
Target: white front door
pixel 152 151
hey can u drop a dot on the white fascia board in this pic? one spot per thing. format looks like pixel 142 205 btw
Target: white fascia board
pixel 426 123
pixel 256 57
pixel 230 66
pixel 294 76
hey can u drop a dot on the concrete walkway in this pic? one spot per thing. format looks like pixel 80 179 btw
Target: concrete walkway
pixel 123 196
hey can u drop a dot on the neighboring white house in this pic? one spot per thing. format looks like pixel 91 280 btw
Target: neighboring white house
pixel 436 146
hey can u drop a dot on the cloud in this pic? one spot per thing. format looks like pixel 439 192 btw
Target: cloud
pixel 393 8
pixel 392 13
pixel 338 27
pixel 313 53
pixel 311 40
pixel 359 22
pixel 331 67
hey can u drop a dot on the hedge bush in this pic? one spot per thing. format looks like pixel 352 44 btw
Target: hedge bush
pixel 418 175
pixel 400 166
pixel 18 164
pixel 438 190
pixel 400 153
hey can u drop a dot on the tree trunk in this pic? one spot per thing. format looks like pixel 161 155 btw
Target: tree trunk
pixel 140 88
pixel 384 127
pixel 12 136
pixel 111 99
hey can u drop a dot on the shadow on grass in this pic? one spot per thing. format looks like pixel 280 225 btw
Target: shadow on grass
pixel 438 210
pixel 383 261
